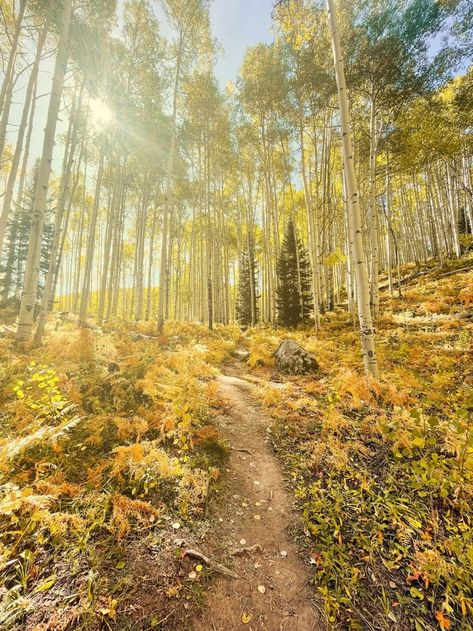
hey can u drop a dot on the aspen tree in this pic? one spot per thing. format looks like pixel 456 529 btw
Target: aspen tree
pixel 354 216
pixel 54 260
pixel 6 90
pixel 28 104
pixel 28 300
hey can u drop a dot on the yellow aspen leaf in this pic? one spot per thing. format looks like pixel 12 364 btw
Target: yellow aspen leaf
pixel 245 617
pixel 46 584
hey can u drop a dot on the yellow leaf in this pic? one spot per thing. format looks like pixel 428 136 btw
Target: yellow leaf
pixel 245 617
pixel 47 584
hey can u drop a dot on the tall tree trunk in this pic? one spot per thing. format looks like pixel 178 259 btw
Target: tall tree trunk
pixel 7 280
pixel 7 200
pixel 354 219
pixel 6 91
pixel 374 294
pixel 163 271
pixel 311 228
pixel 150 287
pixel 89 257
pixel 109 230
pixel 54 261
pixel 25 319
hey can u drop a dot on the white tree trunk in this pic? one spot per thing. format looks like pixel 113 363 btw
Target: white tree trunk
pixel 163 270
pixel 354 218
pixel 6 91
pixel 374 296
pixel 47 300
pixel 7 200
pixel 30 286
pixel 89 257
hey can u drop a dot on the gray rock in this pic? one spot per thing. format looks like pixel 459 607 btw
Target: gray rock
pixel 294 360
pixel 138 337
pixel 241 354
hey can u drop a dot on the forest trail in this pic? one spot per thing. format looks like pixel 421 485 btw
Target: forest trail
pixel 255 510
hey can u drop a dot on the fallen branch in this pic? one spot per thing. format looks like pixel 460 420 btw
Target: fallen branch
pixel 254 548
pixel 456 271
pixel 216 567
pixel 245 451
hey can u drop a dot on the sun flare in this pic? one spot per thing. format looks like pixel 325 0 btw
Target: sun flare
pixel 100 114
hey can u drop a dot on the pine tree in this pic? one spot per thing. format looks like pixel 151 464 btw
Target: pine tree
pixel 13 267
pixel 294 296
pixel 246 305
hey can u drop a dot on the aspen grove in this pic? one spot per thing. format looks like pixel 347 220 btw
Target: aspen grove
pixel 164 232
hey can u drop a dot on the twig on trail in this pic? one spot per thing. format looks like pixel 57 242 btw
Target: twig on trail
pixel 254 548
pixel 216 567
pixel 304 585
pixel 245 451
pixel 160 622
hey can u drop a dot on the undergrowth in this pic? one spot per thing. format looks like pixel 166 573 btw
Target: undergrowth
pixel 383 471
pixel 107 449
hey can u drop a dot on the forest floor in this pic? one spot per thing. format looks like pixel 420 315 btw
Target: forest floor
pixel 123 454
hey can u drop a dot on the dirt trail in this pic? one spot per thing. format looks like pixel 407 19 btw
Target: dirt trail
pixel 256 509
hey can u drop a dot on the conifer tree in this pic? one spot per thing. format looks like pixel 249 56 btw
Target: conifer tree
pixel 13 266
pixel 246 306
pixel 294 297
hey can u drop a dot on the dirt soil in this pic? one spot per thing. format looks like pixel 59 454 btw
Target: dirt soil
pixel 273 591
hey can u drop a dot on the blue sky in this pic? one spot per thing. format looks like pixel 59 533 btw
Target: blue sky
pixel 237 24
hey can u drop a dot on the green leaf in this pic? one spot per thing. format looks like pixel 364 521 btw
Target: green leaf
pixel 120 565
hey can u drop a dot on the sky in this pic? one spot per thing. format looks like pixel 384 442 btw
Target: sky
pixel 237 24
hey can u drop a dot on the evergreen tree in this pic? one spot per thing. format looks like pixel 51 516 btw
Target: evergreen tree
pixel 12 269
pixel 246 307
pixel 294 296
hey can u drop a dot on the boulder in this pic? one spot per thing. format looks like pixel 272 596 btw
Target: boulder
pixel 294 360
